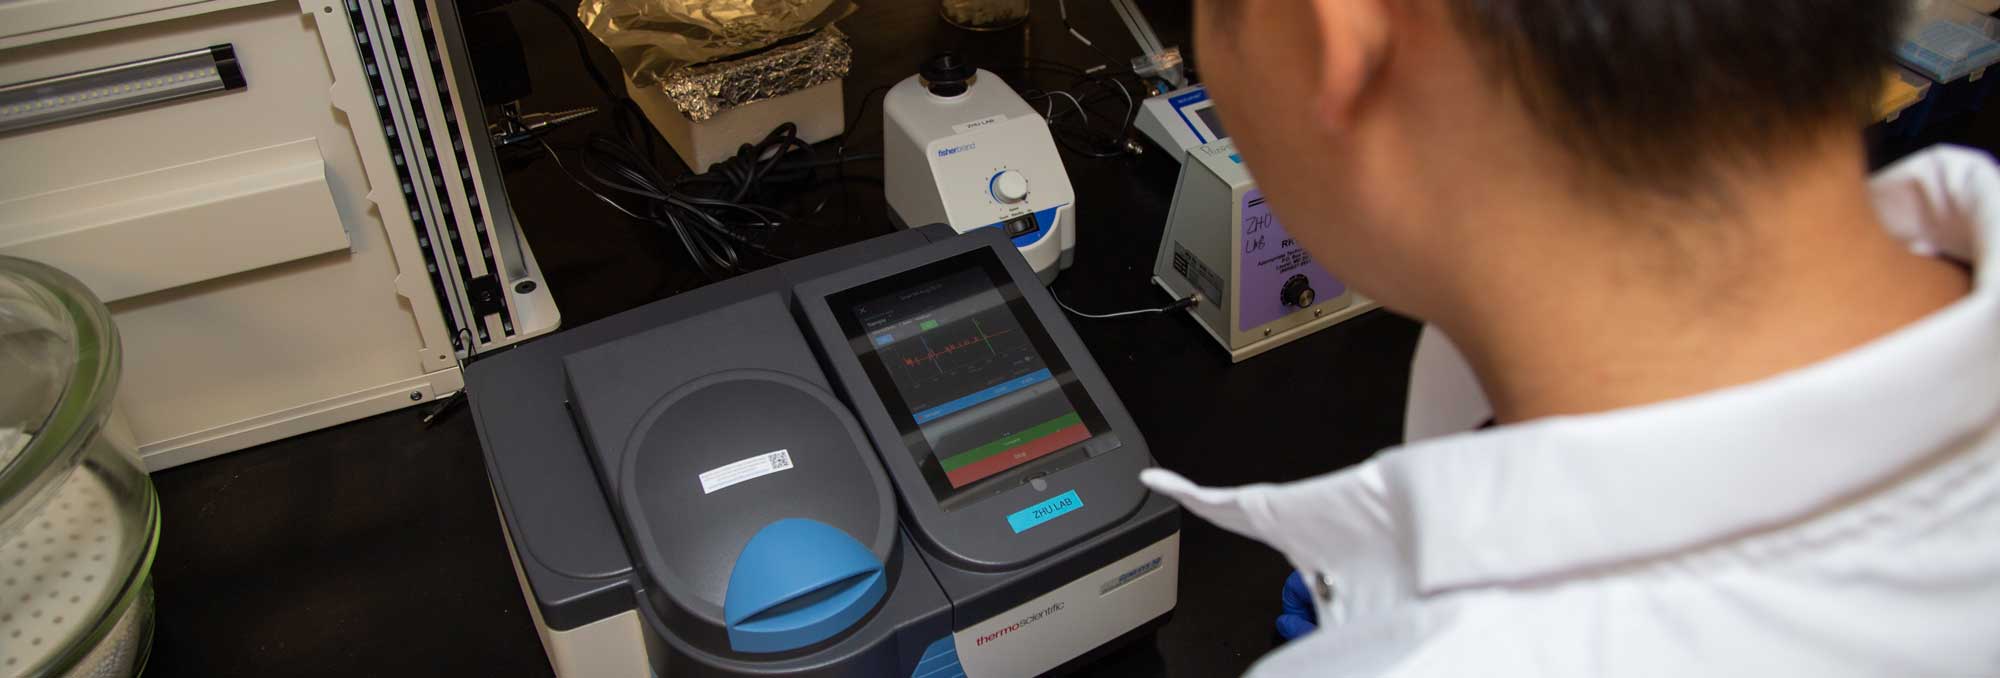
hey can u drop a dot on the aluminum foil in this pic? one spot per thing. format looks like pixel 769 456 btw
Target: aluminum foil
pixel 653 38
pixel 703 91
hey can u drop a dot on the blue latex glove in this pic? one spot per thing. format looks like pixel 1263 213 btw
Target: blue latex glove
pixel 1298 617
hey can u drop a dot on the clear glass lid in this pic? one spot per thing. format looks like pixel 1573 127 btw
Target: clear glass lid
pixel 59 357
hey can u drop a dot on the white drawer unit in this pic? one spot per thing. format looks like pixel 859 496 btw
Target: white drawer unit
pixel 291 207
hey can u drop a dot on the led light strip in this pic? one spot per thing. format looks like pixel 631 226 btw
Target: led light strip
pixel 48 101
pixel 376 62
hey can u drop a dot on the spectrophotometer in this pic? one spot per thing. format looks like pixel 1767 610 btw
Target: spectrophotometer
pixel 890 459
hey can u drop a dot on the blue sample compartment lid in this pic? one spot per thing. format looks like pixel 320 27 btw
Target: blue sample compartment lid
pixel 798 582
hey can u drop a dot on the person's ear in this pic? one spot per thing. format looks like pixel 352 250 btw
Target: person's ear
pixel 1354 42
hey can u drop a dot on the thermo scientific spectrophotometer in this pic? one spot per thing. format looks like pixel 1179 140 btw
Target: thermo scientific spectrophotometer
pixel 890 459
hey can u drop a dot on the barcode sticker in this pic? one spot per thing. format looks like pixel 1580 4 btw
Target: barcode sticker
pixel 748 469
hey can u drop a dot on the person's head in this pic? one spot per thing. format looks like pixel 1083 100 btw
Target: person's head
pixel 1387 132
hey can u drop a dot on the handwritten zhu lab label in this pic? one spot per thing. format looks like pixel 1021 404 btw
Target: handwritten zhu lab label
pixel 964 127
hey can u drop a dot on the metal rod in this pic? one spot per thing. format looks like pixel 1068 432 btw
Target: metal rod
pixel 71 96
pixel 1142 30
pixel 1142 33
pixel 104 71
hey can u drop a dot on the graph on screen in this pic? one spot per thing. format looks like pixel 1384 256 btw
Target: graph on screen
pixel 964 356
pixel 967 372
pixel 974 344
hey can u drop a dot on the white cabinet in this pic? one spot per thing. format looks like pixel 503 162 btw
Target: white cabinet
pixel 319 245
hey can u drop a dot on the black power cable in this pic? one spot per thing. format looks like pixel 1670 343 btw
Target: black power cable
pixel 860 109
pixel 710 213
pixel 1086 88
pixel 1186 302
pixel 720 216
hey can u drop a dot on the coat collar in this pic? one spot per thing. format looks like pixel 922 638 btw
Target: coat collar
pixel 1569 495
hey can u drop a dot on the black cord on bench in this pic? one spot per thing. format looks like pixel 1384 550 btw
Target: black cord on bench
pixel 1184 302
pixel 718 215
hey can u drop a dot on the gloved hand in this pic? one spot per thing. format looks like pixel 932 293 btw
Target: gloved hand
pixel 1298 616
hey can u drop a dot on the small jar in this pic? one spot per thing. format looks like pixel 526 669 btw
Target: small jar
pixel 985 15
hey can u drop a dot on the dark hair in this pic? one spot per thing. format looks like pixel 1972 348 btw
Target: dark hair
pixel 1665 92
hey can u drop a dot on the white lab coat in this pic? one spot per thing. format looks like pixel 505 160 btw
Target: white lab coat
pixel 1839 520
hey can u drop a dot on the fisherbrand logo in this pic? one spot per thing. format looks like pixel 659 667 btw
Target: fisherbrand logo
pixel 955 150
pixel 1016 626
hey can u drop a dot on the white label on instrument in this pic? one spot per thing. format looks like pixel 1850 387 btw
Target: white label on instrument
pixel 964 127
pixel 748 469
